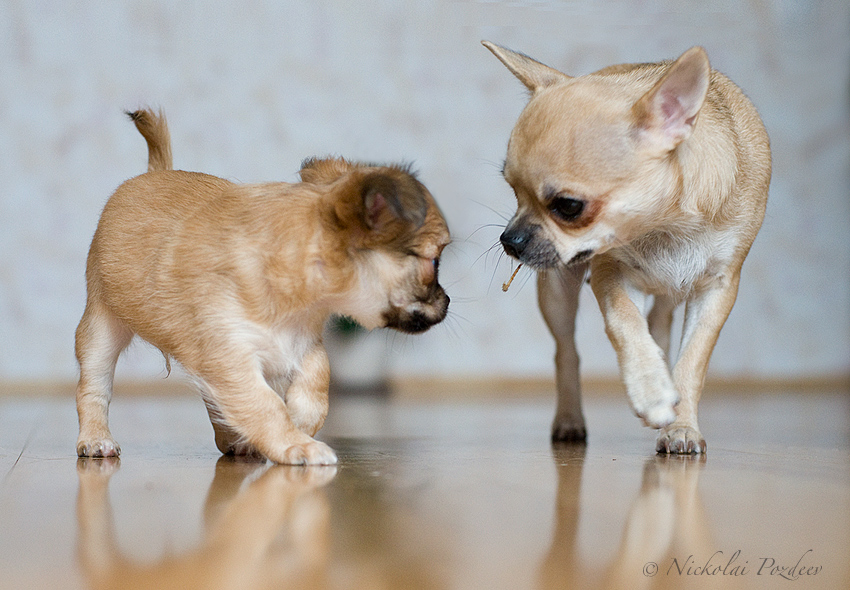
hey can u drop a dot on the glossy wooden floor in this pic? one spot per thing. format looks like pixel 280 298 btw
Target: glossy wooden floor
pixel 450 495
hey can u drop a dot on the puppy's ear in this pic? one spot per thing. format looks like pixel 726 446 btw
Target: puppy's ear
pixel 392 200
pixel 530 72
pixel 324 170
pixel 667 113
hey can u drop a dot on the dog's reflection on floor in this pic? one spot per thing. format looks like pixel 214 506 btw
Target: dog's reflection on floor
pixel 272 533
pixel 666 518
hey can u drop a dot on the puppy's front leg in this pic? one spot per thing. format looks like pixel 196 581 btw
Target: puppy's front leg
pixel 557 295
pixel 257 414
pixel 642 363
pixel 705 314
pixel 307 396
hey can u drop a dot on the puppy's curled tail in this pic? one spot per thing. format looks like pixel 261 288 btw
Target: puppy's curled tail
pixel 154 129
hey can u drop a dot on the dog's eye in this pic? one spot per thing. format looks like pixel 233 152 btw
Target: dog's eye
pixel 566 208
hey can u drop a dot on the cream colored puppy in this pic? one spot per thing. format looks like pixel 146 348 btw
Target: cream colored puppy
pixel 236 282
pixel 655 176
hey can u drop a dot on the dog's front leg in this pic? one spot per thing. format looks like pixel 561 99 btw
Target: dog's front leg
pixel 307 396
pixel 557 295
pixel 705 313
pixel 642 363
pixel 259 417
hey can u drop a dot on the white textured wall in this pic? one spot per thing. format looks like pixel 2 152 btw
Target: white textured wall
pixel 252 87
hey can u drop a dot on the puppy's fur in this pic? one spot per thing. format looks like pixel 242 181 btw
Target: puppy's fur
pixel 655 176
pixel 236 282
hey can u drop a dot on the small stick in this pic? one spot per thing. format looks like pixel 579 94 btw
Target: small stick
pixel 506 286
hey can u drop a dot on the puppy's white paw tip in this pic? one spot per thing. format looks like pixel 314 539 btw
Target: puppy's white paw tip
pixel 314 453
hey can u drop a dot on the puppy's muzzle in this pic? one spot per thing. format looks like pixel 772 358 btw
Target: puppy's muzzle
pixel 418 317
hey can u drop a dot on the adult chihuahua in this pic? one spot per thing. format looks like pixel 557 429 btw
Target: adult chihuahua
pixel 655 177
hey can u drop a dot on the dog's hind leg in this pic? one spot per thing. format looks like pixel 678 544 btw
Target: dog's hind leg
pixel 660 320
pixel 100 339
pixel 557 295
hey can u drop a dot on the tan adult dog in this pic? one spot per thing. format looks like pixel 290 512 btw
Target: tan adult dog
pixel 236 281
pixel 655 176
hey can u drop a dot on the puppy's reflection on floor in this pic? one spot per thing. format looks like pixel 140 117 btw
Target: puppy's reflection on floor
pixel 272 533
pixel 665 519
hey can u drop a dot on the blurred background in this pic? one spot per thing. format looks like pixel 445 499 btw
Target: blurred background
pixel 251 88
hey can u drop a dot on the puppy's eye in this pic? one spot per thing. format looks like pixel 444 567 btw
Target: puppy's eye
pixel 566 208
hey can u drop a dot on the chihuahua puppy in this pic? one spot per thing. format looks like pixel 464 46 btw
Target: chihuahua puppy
pixel 655 177
pixel 236 281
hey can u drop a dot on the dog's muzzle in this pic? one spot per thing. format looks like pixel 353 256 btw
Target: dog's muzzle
pixel 515 240
pixel 418 317
pixel 522 241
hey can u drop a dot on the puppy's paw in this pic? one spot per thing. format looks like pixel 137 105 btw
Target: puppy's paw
pixel 239 449
pixel 568 429
pixel 680 439
pixel 104 447
pixel 312 453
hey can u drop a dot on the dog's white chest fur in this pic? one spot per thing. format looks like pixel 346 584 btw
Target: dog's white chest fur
pixel 677 262
pixel 281 350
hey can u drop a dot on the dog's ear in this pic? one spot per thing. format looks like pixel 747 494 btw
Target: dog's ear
pixel 380 206
pixel 392 198
pixel 668 112
pixel 530 72
pixel 324 170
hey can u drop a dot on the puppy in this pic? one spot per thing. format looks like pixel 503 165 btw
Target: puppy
pixel 235 282
pixel 655 177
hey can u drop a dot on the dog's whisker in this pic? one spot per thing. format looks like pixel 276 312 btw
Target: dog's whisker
pixel 505 217
pixel 486 253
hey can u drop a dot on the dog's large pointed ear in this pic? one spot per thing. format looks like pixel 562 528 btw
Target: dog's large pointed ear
pixel 392 201
pixel 530 72
pixel 668 112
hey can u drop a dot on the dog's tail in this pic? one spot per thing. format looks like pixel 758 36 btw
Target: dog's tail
pixel 154 129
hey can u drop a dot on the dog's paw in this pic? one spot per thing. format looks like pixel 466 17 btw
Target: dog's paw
pixel 568 430
pixel 105 447
pixel 680 439
pixel 654 399
pixel 658 416
pixel 312 453
pixel 239 449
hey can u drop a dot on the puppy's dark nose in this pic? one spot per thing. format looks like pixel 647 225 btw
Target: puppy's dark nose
pixel 515 240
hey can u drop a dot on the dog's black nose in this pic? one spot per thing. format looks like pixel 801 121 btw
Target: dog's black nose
pixel 514 241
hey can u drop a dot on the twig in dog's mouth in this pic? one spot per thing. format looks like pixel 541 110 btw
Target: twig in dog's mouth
pixel 506 286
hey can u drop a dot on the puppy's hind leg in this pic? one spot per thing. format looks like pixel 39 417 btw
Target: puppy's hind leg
pixel 100 339
pixel 557 295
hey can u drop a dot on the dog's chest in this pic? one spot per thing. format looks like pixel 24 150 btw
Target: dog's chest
pixel 281 351
pixel 677 263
